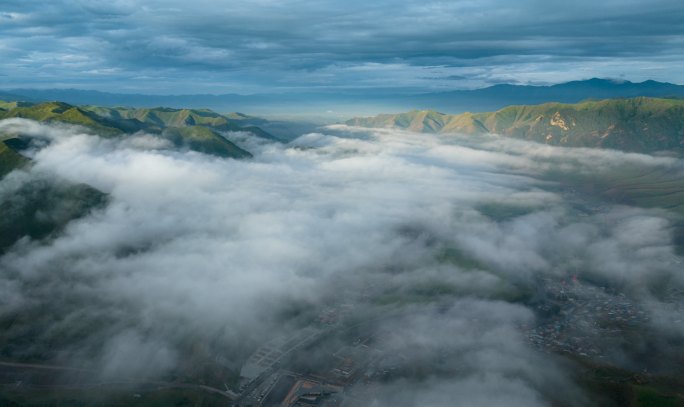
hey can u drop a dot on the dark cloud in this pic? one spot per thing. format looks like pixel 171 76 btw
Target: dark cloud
pixel 258 46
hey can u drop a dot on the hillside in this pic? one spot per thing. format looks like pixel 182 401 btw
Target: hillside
pixel 203 140
pixel 162 117
pixel 195 129
pixel 62 112
pixel 638 124
pixel 41 207
pixel 9 159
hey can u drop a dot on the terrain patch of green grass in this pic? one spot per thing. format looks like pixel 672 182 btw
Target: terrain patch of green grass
pixel 195 129
pixel 43 207
pixel 10 160
pixel 63 113
pixel 640 124
pixel 204 140
pixel 650 397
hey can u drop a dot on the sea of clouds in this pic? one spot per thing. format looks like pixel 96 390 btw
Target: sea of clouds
pixel 198 249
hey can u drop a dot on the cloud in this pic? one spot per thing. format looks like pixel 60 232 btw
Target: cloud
pixel 446 238
pixel 470 349
pixel 258 46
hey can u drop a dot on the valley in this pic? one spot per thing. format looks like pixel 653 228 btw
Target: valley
pixel 541 264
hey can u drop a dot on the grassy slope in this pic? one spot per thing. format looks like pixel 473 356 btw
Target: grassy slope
pixel 64 113
pixel 162 117
pixel 40 208
pixel 204 140
pixel 10 159
pixel 192 129
pixel 43 207
pixel 11 105
pixel 638 124
pixel 167 117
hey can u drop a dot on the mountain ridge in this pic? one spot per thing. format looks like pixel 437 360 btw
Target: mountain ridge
pixel 639 124
pixel 196 130
pixel 455 101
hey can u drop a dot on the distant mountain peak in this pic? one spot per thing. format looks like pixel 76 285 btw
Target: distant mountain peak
pixel 452 101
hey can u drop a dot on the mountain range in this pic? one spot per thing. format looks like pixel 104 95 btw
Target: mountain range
pixel 499 96
pixel 639 124
pixel 354 102
pixel 42 206
pixel 192 129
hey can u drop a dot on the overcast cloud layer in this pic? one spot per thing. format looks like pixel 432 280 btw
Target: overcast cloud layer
pixel 231 253
pixel 210 46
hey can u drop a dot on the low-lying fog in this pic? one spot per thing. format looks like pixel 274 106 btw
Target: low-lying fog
pixel 451 236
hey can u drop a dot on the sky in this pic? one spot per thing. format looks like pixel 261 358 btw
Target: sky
pixel 228 254
pixel 267 46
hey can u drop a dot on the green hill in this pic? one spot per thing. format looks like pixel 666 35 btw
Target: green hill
pixel 163 117
pixel 10 159
pixel 62 112
pixel 194 129
pixel 638 124
pixel 203 140
pixel 11 105
pixel 42 207
pixel 39 208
